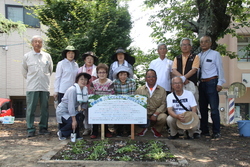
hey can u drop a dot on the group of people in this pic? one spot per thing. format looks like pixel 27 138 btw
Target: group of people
pixel 173 90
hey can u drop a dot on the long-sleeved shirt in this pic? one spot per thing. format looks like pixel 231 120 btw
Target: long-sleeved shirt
pixel 66 72
pixel 156 102
pixel 163 70
pixel 111 71
pixel 128 88
pixel 211 65
pixel 37 68
pixel 68 106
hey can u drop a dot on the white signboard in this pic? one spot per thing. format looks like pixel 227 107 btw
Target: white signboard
pixel 117 109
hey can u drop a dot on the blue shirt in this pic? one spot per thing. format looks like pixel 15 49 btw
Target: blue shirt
pixel 211 65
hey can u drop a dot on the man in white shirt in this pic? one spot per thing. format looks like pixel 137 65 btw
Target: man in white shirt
pixel 176 110
pixel 163 67
pixel 37 66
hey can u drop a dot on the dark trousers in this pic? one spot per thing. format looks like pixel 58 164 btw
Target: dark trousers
pixel 208 95
pixel 66 125
pixel 123 128
pixel 59 97
pixel 96 128
pixel 32 99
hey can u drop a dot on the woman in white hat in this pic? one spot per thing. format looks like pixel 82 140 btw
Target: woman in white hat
pixel 125 85
pixel 121 58
pixel 66 71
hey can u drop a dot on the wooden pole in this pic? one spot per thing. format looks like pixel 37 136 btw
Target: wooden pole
pixel 102 132
pixel 132 131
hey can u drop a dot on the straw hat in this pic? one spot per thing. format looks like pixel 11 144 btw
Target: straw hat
pixel 122 69
pixel 70 48
pixel 190 86
pixel 130 59
pixel 191 120
pixel 90 53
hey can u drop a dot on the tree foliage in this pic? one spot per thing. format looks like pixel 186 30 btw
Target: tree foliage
pixel 195 18
pixel 99 25
pixel 8 26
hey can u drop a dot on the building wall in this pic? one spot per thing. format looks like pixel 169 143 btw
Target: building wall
pixel 12 83
pixel 233 73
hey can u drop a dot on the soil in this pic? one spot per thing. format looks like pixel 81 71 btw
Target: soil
pixel 228 151
pixel 116 150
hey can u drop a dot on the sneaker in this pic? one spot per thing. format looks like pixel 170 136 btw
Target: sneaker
pixel 156 134
pixel 187 136
pixel 205 134
pixel 108 135
pixel 173 137
pixel 142 133
pixel 43 132
pixel 60 137
pixel 86 132
pixel 31 134
pixel 118 134
pixel 216 135
pixel 197 136
pixel 79 138
pixel 93 136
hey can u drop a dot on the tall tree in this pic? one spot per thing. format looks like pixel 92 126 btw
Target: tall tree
pixel 99 25
pixel 195 18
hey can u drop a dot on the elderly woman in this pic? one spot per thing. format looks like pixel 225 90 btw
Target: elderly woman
pixel 69 111
pixel 121 58
pixel 90 59
pixel 66 71
pixel 101 86
pixel 125 85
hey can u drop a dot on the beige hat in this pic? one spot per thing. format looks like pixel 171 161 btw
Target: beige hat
pixel 70 48
pixel 190 86
pixel 191 120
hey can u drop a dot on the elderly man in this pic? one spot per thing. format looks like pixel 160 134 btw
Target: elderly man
pixel 211 81
pixel 186 66
pixel 178 102
pixel 163 67
pixel 156 104
pixel 37 66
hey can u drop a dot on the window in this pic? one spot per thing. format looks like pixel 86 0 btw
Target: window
pixel 244 54
pixel 5 106
pixel 20 13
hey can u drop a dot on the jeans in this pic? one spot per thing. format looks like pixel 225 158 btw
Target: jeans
pixel 66 125
pixel 208 94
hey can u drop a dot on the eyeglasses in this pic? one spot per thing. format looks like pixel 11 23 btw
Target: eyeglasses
pixel 101 72
pixel 206 41
pixel 185 45
pixel 177 83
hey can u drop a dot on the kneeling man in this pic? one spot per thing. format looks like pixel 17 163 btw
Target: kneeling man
pixel 156 104
pixel 179 102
